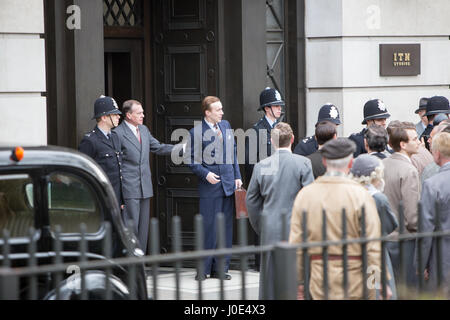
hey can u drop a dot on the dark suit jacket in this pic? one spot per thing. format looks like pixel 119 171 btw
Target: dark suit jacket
pixel 208 154
pixel 317 165
pixel 107 153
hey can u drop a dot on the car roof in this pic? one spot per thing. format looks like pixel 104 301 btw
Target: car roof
pixel 52 156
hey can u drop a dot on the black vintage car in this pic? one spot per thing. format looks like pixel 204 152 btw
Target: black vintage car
pixel 54 188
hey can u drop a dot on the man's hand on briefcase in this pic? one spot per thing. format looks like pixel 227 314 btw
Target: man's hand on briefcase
pixel 213 178
pixel 238 183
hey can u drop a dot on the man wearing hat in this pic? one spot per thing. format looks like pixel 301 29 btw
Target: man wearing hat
pixel 436 105
pixel 423 123
pixel 328 113
pixel 324 201
pixel 271 104
pixel 375 112
pixel 103 145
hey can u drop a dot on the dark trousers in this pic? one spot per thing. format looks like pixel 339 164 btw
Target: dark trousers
pixel 138 211
pixel 393 248
pixel 209 209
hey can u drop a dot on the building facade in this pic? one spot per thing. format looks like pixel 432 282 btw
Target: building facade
pixel 58 56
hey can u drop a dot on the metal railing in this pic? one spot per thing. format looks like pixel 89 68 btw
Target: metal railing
pixel 25 281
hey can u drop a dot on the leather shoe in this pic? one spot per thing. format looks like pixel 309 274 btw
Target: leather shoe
pixel 200 277
pixel 226 276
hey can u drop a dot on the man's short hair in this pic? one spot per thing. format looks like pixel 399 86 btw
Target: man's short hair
pixel 281 135
pixel 441 143
pixel 377 137
pixel 207 102
pixel 325 131
pixel 128 105
pixel 397 131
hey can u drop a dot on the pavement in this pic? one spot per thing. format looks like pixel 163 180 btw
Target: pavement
pixel 211 288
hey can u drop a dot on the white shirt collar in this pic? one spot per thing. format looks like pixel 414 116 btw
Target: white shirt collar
pixel 132 127
pixel 269 121
pixel 211 125
pixel 285 149
pixel 105 133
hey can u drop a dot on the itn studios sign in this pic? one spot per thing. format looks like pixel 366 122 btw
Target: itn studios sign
pixel 400 59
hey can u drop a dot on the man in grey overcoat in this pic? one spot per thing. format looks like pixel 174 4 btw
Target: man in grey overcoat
pixel 436 190
pixel 273 187
pixel 137 143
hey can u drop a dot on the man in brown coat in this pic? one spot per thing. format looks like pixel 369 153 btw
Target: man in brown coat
pixel 403 185
pixel 333 192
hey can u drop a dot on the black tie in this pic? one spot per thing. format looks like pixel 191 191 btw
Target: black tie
pixel 109 136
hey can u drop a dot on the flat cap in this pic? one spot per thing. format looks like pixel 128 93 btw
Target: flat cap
pixel 338 148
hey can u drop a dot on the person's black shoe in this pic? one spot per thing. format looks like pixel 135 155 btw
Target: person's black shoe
pixel 226 276
pixel 200 277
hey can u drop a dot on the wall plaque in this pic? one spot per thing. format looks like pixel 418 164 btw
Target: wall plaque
pixel 400 59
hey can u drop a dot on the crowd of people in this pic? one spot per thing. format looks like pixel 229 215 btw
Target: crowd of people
pixel 381 169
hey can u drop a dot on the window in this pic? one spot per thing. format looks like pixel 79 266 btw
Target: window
pixel 16 213
pixel 72 202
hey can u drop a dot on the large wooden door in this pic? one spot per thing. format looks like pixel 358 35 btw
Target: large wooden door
pixel 185 71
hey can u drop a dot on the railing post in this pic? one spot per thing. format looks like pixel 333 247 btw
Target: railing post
pixel 285 284
pixel 9 285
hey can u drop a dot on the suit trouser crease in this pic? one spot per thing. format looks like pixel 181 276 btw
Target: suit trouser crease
pixel 209 209
pixel 138 211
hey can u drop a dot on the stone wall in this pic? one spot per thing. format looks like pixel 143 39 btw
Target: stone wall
pixel 342 56
pixel 23 109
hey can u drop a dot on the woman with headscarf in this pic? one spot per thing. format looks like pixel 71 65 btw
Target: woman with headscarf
pixel 368 170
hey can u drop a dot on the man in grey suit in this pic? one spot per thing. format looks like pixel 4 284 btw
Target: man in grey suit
pixel 137 143
pixel 436 190
pixel 273 187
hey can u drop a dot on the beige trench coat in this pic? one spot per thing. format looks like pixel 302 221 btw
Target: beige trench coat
pixel 333 193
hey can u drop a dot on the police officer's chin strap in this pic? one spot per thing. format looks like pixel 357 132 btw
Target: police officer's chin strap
pixel 112 122
pixel 277 120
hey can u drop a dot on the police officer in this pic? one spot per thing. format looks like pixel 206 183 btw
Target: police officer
pixel 103 145
pixel 422 124
pixel 271 104
pixel 435 105
pixel 375 112
pixel 327 113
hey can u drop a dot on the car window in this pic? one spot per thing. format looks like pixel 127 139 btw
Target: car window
pixel 16 213
pixel 71 202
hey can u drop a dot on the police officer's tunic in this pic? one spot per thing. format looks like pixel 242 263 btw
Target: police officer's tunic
pixel 107 153
pixel 358 138
pixel 266 129
pixel 306 146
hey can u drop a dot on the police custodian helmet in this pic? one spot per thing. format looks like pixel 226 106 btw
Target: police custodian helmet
pixel 104 106
pixel 270 97
pixel 375 109
pixel 329 112
pixel 437 104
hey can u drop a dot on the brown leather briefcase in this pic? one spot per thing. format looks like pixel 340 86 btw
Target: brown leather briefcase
pixel 241 208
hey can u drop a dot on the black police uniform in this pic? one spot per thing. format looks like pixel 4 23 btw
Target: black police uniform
pixel 263 125
pixel 435 105
pixel 373 109
pixel 309 145
pixel 358 138
pixel 306 146
pixel 107 153
pixel 267 98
